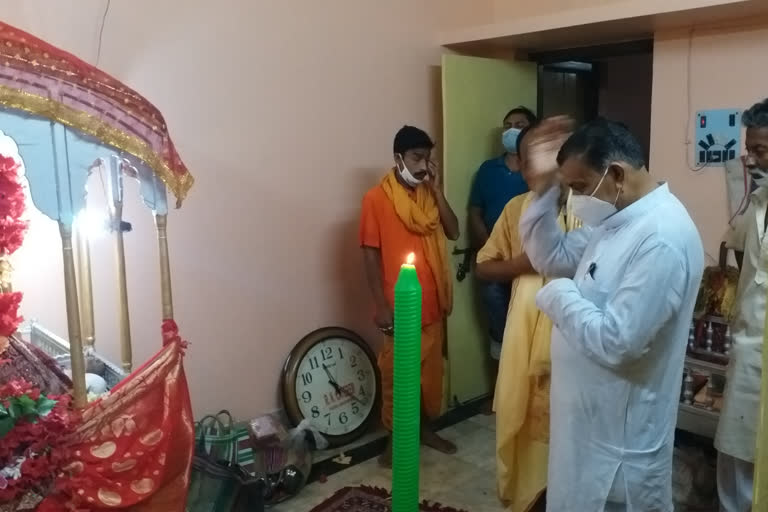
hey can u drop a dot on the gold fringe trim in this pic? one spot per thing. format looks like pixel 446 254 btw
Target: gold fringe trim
pixel 87 123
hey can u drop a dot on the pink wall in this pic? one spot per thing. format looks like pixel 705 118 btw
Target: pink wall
pixel 725 73
pixel 507 9
pixel 285 112
pixel 454 14
pixel 462 14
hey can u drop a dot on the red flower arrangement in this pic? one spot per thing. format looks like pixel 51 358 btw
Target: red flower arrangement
pixel 31 427
pixel 31 424
pixel 9 312
pixel 12 230
pixel 12 206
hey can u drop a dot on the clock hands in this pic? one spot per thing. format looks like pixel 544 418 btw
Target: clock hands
pixel 331 380
pixel 340 390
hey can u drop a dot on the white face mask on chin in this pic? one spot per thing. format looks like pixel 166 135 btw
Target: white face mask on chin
pixel 591 210
pixel 759 176
pixel 406 175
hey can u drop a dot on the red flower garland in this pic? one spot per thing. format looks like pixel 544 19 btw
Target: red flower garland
pixel 9 313
pixel 32 441
pixel 12 230
pixel 12 206
pixel 33 424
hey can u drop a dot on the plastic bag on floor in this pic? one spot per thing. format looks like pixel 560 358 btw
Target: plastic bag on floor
pixel 285 456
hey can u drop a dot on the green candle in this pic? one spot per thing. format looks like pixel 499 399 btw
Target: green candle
pixel 407 390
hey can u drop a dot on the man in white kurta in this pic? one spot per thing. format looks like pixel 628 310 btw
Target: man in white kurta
pixel 621 313
pixel 736 436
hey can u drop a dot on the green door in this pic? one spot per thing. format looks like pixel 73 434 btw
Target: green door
pixel 477 93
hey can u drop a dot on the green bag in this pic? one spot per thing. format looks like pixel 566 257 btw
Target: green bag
pixel 217 484
pixel 226 440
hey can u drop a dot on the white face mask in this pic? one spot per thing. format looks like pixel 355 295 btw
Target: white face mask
pixel 408 178
pixel 591 210
pixel 759 176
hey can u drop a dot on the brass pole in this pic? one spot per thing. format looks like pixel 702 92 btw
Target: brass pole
pixel 161 222
pixel 85 286
pixel 122 286
pixel 73 317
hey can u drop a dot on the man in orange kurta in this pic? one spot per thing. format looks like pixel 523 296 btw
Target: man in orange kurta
pixel 408 213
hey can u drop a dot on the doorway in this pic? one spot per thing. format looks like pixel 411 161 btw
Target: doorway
pixel 476 93
pixel 568 88
pixel 611 81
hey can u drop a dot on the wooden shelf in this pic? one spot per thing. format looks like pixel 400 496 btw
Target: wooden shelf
pixel 705 366
pixel 697 420
pixel 694 419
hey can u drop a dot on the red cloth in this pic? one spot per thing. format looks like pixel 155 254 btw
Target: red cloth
pixel 133 449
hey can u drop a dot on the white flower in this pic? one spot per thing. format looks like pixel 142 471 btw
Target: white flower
pixel 13 472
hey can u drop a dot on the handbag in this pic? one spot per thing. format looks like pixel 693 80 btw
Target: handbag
pixel 218 482
pixel 227 440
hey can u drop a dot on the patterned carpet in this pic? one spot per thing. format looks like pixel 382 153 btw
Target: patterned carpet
pixel 369 499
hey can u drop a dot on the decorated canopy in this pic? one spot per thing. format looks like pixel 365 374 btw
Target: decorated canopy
pixel 43 80
pixel 130 449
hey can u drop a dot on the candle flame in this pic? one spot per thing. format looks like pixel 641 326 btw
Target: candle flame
pixel 410 259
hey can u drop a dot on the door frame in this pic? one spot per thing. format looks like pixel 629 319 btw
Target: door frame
pixel 560 59
pixel 474 114
pixel 590 54
pixel 591 73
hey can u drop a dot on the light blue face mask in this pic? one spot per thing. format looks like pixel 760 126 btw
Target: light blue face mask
pixel 509 140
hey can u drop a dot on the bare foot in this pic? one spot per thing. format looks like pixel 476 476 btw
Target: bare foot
pixel 434 441
pixel 385 459
pixel 487 409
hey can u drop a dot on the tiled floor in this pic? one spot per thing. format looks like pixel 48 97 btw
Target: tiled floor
pixel 465 480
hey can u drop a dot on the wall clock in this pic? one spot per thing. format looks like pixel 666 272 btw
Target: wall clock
pixel 331 378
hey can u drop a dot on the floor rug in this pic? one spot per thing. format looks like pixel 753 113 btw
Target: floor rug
pixel 369 499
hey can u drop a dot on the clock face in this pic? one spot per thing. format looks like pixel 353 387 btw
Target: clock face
pixel 336 386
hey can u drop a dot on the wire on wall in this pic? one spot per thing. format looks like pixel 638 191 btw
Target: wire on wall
pixel 689 109
pixel 101 31
pixel 687 140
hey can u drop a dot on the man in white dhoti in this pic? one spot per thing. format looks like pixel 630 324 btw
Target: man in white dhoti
pixel 737 430
pixel 621 313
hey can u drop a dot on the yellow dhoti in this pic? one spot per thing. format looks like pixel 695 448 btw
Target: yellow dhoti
pixel 521 400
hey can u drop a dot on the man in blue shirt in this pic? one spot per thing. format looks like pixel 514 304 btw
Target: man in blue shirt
pixel 497 181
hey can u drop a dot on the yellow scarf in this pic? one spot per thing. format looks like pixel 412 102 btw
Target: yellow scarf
pixel 421 216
